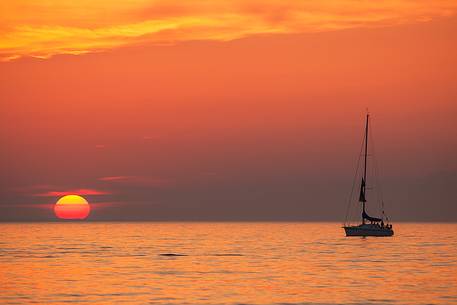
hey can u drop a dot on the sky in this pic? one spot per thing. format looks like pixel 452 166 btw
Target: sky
pixel 226 110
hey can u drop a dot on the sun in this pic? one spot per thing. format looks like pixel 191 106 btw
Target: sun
pixel 72 207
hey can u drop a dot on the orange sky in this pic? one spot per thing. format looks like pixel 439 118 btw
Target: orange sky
pixel 222 109
pixel 46 28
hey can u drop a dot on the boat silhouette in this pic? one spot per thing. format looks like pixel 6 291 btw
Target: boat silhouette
pixel 369 226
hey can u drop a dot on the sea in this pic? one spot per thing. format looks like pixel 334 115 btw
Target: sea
pixel 225 263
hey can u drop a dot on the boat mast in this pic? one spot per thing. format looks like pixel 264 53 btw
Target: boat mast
pixel 364 182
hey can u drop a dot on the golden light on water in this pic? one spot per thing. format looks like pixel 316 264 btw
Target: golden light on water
pixel 226 263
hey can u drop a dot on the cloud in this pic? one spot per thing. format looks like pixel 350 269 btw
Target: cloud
pixel 70 192
pixel 46 28
pixel 29 205
pixel 151 137
pixel 116 178
pixel 33 188
pixel 138 181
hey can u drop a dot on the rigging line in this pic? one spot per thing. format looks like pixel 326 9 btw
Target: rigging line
pixel 378 182
pixel 379 193
pixel 354 182
pixel 374 173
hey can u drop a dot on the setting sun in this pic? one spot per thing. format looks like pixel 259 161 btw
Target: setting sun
pixel 72 207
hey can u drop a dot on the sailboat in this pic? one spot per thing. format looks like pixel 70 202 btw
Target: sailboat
pixel 370 226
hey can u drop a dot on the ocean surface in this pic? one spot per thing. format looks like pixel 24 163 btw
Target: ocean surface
pixel 225 263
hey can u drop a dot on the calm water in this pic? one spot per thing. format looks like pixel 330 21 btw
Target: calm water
pixel 225 263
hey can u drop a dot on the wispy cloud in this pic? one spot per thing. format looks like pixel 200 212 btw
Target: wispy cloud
pixel 138 181
pixel 151 137
pixel 46 28
pixel 116 178
pixel 33 188
pixel 72 192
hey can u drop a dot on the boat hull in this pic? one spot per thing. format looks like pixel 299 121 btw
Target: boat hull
pixel 368 230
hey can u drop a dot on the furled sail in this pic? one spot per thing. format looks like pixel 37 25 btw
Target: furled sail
pixel 362 192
